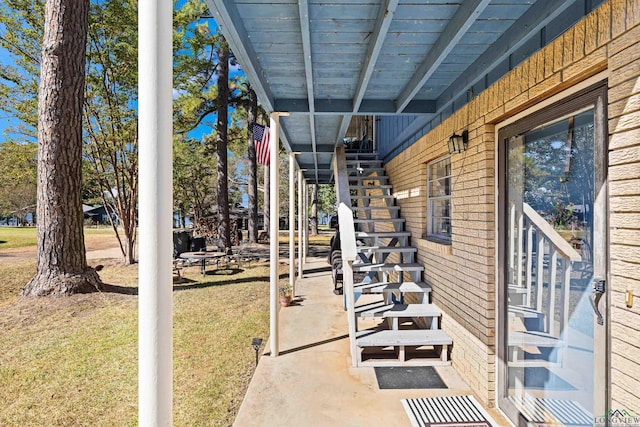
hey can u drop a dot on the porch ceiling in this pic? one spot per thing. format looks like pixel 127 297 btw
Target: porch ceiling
pixel 324 61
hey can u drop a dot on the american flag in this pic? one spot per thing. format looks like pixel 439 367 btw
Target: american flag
pixel 261 137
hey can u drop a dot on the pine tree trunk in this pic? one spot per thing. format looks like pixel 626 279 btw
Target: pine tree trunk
pixel 224 226
pixel 314 209
pixel 61 265
pixel 252 179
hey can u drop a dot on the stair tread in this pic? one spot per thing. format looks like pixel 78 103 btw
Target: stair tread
pixel 370 170
pixel 533 338
pixel 386 249
pixel 370 338
pixel 353 156
pixel 373 220
pixel 382 287
pixel 399 266
pixel 370 187
pixel 373 208
pixel 402 310
pixel 362 177
pixel 361 234
pixel 373 196
pixel 355 161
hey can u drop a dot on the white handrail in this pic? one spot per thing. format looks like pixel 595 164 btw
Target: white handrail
pixel 341 176
pixel 347 233
pixel 347 244
pixel 552 235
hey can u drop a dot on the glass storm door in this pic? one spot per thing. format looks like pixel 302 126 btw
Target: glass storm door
pixel 553 265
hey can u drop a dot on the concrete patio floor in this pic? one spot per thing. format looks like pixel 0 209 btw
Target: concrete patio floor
pixel 312 383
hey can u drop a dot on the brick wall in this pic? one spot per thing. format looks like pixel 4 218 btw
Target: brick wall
pixel 462 274
pixel 624 203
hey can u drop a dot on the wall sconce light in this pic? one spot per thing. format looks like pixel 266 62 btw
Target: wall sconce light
pixel 458 143
pixel 256 343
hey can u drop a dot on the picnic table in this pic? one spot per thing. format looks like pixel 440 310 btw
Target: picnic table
pixel 202 256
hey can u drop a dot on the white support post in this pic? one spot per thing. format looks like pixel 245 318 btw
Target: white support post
pixel 300 222
pixel 274 181
pixel 305 251
pixel 292 223
pixel 155 319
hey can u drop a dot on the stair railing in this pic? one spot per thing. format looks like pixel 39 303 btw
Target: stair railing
pixel 341 176
pixel 347 242
pixel 527 266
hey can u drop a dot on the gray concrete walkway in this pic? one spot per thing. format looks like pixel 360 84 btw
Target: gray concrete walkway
pixel 311 382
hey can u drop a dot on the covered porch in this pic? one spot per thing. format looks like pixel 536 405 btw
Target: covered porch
pixel 420 68
pixel 312 382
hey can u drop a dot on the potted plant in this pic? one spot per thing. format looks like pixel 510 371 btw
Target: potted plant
pixel 285 295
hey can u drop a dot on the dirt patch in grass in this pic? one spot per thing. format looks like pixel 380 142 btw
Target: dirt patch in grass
pixel 19 243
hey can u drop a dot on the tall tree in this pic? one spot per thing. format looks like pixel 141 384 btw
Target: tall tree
pixel 193 177
pixel 111 138
pixel 18 178
pixel 327 198
pixel 252 178
pixel 202 73
pixel 109 104
pixel 61 267
pixel 224 226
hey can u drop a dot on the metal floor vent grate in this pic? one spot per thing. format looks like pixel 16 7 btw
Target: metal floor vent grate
pixel 550 411
pixel 446 411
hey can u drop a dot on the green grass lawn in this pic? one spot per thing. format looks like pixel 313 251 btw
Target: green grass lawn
pixel 73 360
pixel 17 237
pixel 20 237
pixel 314 239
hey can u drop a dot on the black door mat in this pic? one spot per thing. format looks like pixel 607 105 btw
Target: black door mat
pixel 417 377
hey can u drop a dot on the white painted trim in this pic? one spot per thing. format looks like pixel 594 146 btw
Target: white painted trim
pixel 274 225
pixel 430 233
pixel 155 317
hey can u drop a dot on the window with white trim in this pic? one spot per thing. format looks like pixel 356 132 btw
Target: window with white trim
pixel 439 199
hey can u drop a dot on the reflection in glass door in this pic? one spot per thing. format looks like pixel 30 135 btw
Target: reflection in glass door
pixel 550 343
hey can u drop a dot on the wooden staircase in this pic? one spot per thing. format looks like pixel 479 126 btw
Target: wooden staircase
pixel 405 333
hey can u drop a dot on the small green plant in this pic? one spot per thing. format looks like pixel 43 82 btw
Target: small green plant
pixel 285 290
pixel 285 295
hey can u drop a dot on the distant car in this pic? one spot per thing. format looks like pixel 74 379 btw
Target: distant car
pixel 333 221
